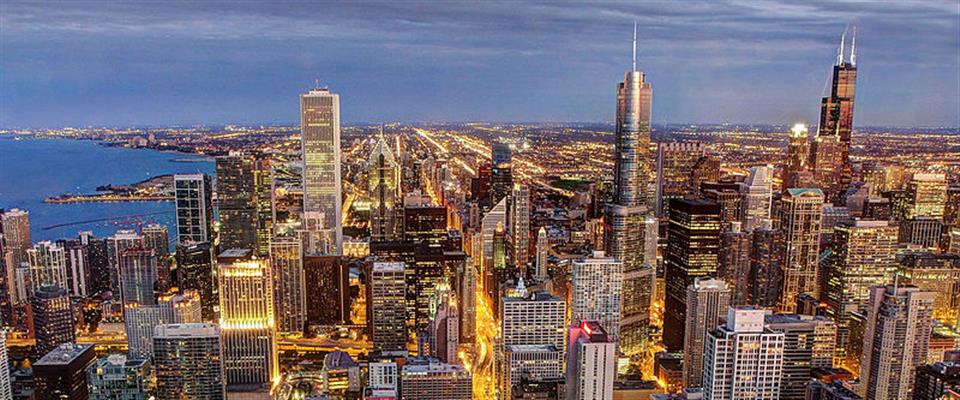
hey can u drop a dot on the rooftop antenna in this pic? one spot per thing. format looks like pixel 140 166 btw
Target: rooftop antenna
pixel 634 46
pixel 840 50
pixel 853 48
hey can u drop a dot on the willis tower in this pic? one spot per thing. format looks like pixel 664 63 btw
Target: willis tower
pixel 831 148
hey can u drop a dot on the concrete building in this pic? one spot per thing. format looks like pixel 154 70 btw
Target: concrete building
pixel 707 301
pixel 743 358
pixel 591 363
pixel 801 214
pixel 597 289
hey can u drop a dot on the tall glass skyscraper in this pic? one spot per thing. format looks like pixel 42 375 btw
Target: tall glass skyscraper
pixel 831 148
pixel 320 145
pixel 624 220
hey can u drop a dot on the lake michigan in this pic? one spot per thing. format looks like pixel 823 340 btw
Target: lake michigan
pixel 34 169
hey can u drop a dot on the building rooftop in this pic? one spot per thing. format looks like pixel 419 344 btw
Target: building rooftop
pixel 388 266
pixel 186 330
pixel 63 354
pixel 532 348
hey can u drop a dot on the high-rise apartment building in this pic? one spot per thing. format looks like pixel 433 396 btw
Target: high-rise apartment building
pixel 140 321
pixel 597 287
pixel 707 301
pixel 734 267
pixel 320 146
pixel 765 280
pixel 52 318
pixel 48 264
pixel 194 208
pixel 693 247
pixel 237 201
pixel 896 340
pixel 16 234
pixel 528 319
pixel 591 362
pixel 938 273
pixel 114 377
pixel 289 290
pixel 520 225
pixel 831 149
pixel 327 290
pixel 62 372
pixel 809 343
pixel 743 358
pixel 263 187
pixel 247 322
pixel 388 311
pixel 138 275
pixel 429 379
pixel 383 186
pixel 757 195
pixel 188 362
pixel 801 214
pixel 938 380
pixel 675 160
pixel 5 387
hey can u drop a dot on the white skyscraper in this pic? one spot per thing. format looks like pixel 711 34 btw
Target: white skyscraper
pixel 591 363
pixel 140 321
pixel 320 146
pixel 48 264
pixel 597 290
pixel 529 323
pixel 743 359
pixel 707 301
pixel 757 194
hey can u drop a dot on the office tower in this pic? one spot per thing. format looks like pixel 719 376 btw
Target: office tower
pixel 543 246
pixel 895 341
pixel 938 273
pixel 591 362
pixel 424 223
pixel 938 380
pixel 263 191
pixel 863 256
pixel 247 322
pixel 796 166
pixel 140 321
pixel 188 363
pixel 808 343
pixel 48 264
pixel 831 148
pixel 705 169
pixel 443 331
pixel 383 185
pixel 675 160
pixel 766 268
pixel 800 218
pixel 480 186
pixel 138 275
pixel 922 232
pixel 52 318
pixel 497 216
pixel 624 230
pixel 388 312
pixel 5 388
pixel 927 194
pixel 693 247
pixel 501 173
pixel 237 201
pixel 520 226
pixel 326 290
pixel 743 358
pixel 341 375
pixel 429 379
pixel 62 373
pixel 114 377
pixel 728 195
pixel 757 194
pixel 155 237
pixel 117 244
pixel 500 248
pixel 707 301
pixel 194 208
pixel 596 293
pixel 196 271
pixel 528 319
pixel 289 290
pixel 16 234
pixel 467 290
pixel 320 146
pixel 734 267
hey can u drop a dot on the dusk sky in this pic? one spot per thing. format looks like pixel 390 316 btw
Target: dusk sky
pixel 74 63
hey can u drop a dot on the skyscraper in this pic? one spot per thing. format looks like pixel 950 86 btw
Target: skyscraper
pixel 16 234
pixel 155 237
pixel 927 196
pixel 188 362
pixel 247 322
pixel 734 267
pixel 863 256
pixel 707 301
pixel 796 171
pixel 520 226
pixel 501 173
pixel 675 160
pixel 140 321
pixel 196 271
pixel 624 229
pixel 591 362
pixel 597 289
pixel 831 148
pixel 543 245
pixel 388 316
pixel 800 219
pixel 899 321
pixel 320 146
pixel 938 273
pixel 115 377
pixel 263 188
pixel 62 373
pixel 765 280
pixel 52 318
pixel 237 201
pixel 528 319
pixel 194 208
pixel 743 358
pixel 938 380
pixel 289 290
pixel 757 194
pixel 693 248
pixel 138 275
pixel 326 290
pixel 5 388
pixel 383 184
pixel 808 343
pixel 48 264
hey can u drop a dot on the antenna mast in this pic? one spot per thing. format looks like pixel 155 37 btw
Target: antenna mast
pixel 634 46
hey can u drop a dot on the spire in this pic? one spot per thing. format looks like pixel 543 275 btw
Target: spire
pixel 853 48
pixel 521 288
pixel 843 38
pixel 634 46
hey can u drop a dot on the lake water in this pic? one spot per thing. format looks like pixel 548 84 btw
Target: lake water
pixel 34 169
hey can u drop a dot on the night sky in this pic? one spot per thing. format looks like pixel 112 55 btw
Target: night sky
pixel 74 63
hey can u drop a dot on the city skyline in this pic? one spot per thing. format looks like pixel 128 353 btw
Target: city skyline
pixel 134 69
